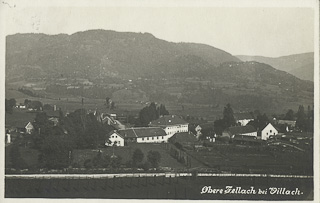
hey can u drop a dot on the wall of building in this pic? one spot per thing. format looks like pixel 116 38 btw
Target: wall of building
pixel 244 122
pixel 254 134
pixel 171 130
pixel 152 139
pixel 116 138
pixel 268 131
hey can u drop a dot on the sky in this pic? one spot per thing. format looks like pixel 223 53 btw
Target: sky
pixel 266 31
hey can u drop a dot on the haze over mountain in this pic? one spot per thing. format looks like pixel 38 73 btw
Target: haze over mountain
pixel 98 54
pixel 299 65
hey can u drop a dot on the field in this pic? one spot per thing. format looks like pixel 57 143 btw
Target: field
pixel 246 159
pixel 79 156
pixel 155 188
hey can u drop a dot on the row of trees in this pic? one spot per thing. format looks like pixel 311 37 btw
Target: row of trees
pixel 304 120
pixel 137 160
pixel 150 113
pixel 153 159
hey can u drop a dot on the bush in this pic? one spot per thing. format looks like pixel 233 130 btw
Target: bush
pixel 154 158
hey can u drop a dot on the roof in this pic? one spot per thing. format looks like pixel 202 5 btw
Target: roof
pixel 114 131
pixel 19 119
pixel 142 132
pixel 184 137
pixel 266 126
pixel 167 120
pixel 241 129
pixel 242 116
pixel 207 125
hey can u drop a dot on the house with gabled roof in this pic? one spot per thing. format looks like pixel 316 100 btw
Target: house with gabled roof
pixel 267 131
pixel 115 139
pixel 139 135
pixel 171 124
pixel 144 135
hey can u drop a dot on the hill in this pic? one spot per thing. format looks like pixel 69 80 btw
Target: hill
pixel 98 53
pixel 130 66
pixel 299 65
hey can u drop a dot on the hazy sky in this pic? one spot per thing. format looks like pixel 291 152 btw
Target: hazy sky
pixel 248 31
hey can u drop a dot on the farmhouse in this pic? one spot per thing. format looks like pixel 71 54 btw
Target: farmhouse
pixel 115 139
pixel 171 124
pixel 243 118
pixel 247 130
pixel 267 131
pixel 138 135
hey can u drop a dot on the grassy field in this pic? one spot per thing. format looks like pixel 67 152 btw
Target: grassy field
pixel 79 156
pixel 257 160
pixel 155 188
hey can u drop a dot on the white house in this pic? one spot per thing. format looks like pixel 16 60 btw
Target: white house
pixel 267 131
pixel 144 135
pixel 115 139
pixel 243 118
pixel 171 124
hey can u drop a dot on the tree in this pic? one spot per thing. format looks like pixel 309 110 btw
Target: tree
pixel 107 102
pixel 137 157
pixel 112 105
pixel 154 158
pixel 301 118
pixel 289 115
pixel 148 114
pixel 48 107
pixel 35 105
pixel 27 102
pixel 115 161
pixel 55 151
pixel 162 110
pixel 228 116
pixel 9 105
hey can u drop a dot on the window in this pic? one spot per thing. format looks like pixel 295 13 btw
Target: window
pixel 162 137
pixel 267 133
pixel 152 138
pixel 271 131
pixel 157 138
pixel 147 138
pixel 142 139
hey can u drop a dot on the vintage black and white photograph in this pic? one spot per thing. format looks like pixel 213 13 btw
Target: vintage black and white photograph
pixel 160 100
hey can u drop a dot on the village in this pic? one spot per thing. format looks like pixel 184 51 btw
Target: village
pixel 245 142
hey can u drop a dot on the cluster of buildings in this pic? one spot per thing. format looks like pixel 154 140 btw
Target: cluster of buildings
pixel 173 127
pixel 165 128
pixel 159 131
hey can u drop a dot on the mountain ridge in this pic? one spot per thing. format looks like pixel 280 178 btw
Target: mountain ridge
pixel 299 65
